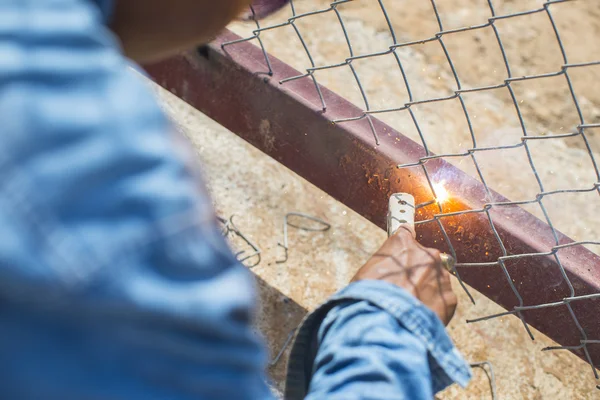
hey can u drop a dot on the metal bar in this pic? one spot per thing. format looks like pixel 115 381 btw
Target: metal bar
pixel 287 122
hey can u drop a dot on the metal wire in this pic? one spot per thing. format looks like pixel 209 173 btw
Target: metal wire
pixel 230 227
pixel 581 130
pixel 323 226
pixel 491 376
pixel 287 342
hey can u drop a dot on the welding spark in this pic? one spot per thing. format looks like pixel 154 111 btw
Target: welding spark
pixel 441 194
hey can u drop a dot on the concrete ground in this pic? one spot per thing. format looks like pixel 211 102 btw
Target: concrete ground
pixel 260 192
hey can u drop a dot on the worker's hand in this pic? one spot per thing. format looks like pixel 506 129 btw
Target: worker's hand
pixel 405 263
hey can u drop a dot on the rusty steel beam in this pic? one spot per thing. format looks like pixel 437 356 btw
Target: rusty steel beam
pixel 287 122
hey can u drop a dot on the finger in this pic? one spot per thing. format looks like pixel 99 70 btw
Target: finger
pixel 402 240
pixel 446 296
pixel 403 229
pixel 451 304
pixel 404 237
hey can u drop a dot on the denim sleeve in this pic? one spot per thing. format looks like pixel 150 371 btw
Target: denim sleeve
pixel 114 279
pixel 373 340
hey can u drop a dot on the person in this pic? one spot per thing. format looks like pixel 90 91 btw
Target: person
pixel 115 282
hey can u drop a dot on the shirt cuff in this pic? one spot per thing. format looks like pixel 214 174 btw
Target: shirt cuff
pixel 448 365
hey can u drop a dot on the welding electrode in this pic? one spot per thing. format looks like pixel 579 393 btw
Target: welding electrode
pixel 401 211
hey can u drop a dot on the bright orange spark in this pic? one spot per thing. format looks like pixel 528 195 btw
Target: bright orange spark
pixel 441 193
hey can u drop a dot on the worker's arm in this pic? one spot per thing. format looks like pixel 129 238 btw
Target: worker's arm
pixel 383 336
pixel 154 29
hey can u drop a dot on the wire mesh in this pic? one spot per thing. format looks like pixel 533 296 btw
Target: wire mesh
pixel 475 150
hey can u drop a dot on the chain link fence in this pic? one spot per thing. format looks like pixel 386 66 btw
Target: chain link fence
pixel 573 125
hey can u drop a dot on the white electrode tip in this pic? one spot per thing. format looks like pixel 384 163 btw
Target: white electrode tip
pixel 401 211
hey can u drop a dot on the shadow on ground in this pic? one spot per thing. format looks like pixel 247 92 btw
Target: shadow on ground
pixel 278 316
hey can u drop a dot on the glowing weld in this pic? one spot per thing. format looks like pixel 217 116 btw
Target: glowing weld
pixel 441 194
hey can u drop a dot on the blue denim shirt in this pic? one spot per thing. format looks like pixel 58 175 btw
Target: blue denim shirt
pixel 114 279
pixel 373 340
